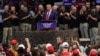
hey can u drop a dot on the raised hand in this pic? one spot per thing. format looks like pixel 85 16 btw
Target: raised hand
pixel 26 39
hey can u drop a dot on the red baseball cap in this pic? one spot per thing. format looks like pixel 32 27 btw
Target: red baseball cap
pixel 13 42
pixel 50 49
pixel 93 52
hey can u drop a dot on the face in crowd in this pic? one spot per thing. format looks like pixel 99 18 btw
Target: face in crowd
pixel 88 4
pixel 62 8
pixel 25 9
pixel 6 8
pixel 13 8
pixel 93 10
pixel 49 7
pixel 97 7
pixel 74 9
pixel 59 40
pixel 22 7
pixel 55 7
pixel 40 7
pixel 83 8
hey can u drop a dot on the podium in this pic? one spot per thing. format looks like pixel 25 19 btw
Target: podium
pixel 46 25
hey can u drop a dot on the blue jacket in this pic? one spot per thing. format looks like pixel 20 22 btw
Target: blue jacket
pixel 52 16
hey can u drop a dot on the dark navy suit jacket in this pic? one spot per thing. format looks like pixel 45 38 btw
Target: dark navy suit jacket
pixel 52 16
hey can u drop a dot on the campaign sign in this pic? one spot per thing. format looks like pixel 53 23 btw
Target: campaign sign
pixel 46 25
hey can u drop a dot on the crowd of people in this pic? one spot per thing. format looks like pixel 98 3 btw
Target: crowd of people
pixel 63 48
pixel 84 18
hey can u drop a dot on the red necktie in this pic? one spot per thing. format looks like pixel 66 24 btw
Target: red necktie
pixel 47 16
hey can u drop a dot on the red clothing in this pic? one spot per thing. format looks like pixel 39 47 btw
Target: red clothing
pixel 9 53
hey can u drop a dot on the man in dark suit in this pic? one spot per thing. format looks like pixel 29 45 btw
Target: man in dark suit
pixel 49 14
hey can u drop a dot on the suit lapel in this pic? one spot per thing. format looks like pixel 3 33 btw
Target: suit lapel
pixel 50 15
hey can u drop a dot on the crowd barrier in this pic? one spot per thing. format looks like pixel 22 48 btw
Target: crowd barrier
pixel 41 37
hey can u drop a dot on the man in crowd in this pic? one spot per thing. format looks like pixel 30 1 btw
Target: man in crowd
pixel 49 14
pixel 87 4
pixel 65 49
pixel 22 2
pixel 58 43
pixel 98 11
pixel 83 22
pixel 14 19
pixel 93 25
pixel 54 8
pixel 7 29
pixel 24 16
pixel 38 15
pixel 73 23
pixel 63 18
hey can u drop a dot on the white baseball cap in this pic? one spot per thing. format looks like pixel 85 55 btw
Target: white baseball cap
pixel 65 44
pixel 48 44
pixel 21 45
